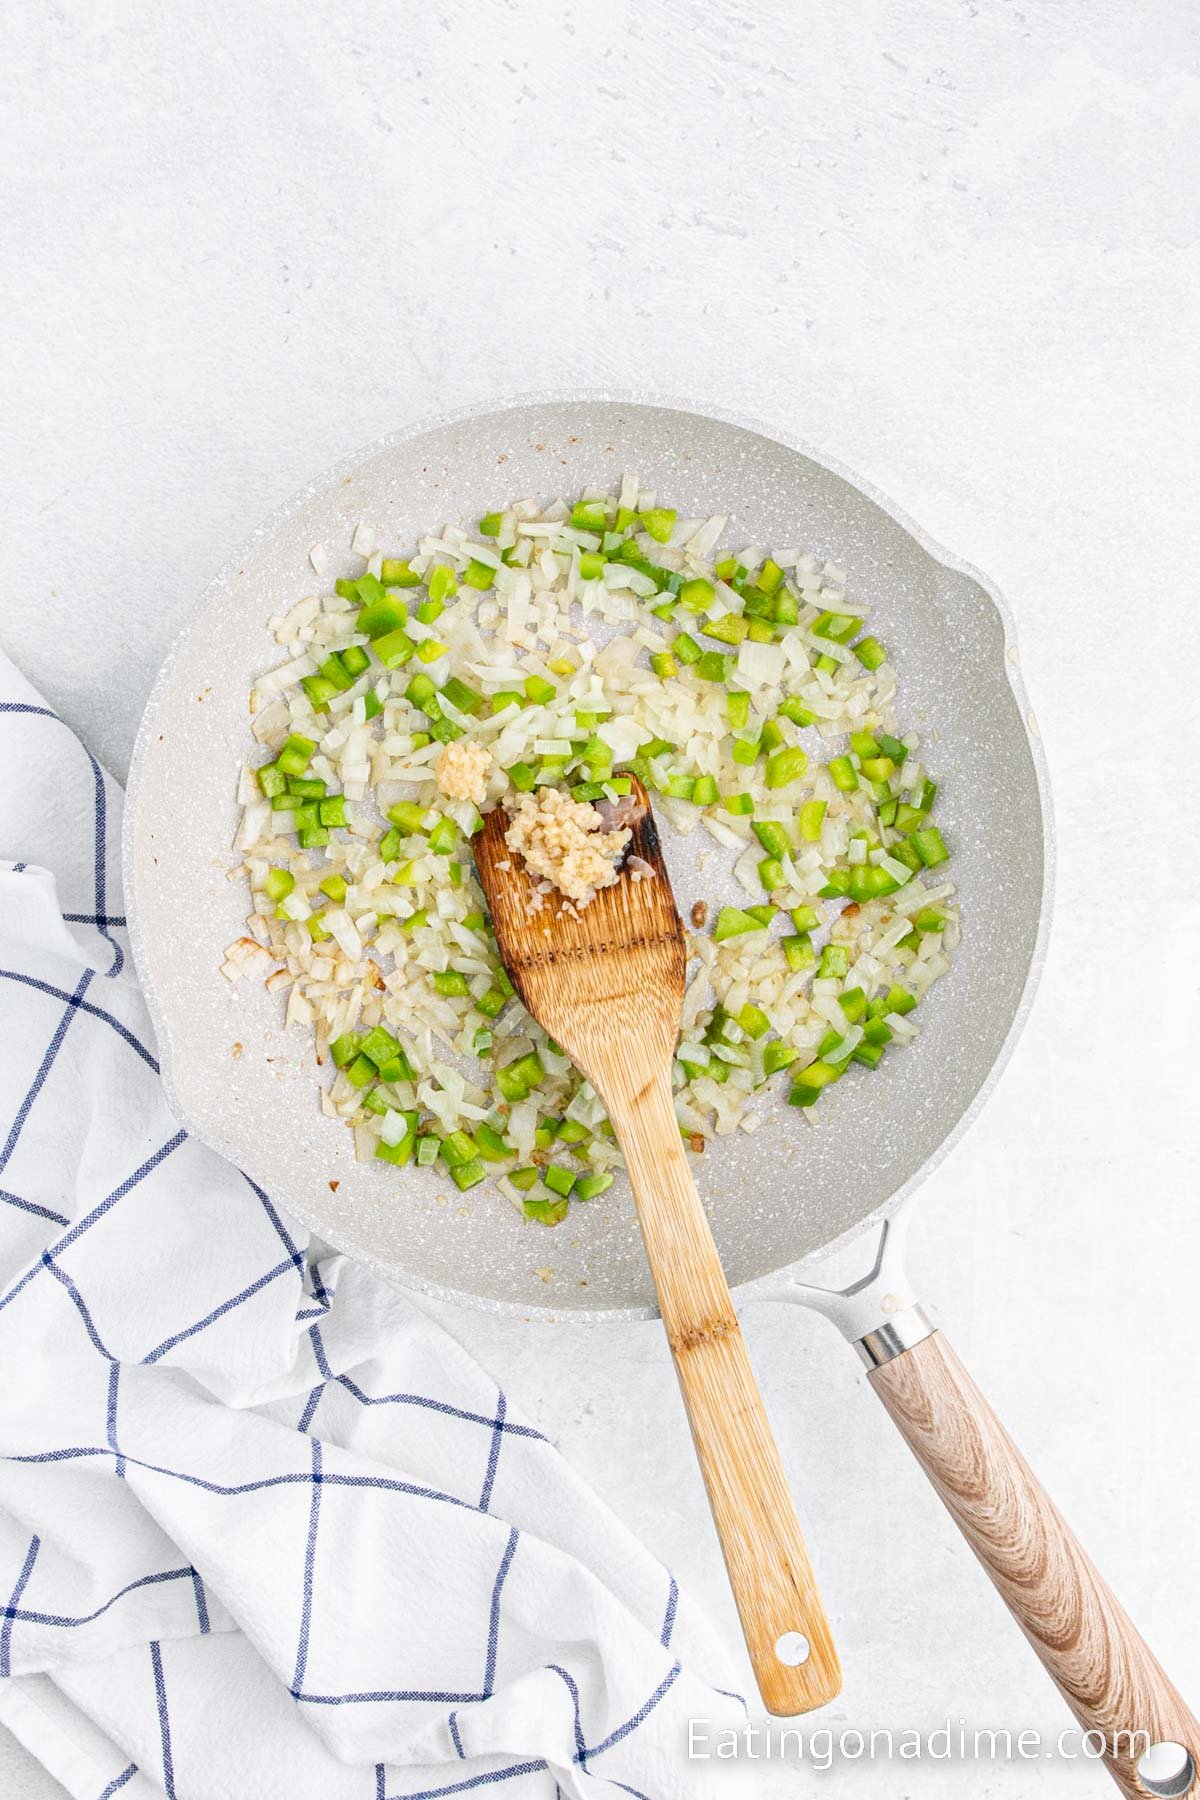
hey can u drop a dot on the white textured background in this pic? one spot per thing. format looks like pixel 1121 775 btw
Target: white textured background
pixel 953 242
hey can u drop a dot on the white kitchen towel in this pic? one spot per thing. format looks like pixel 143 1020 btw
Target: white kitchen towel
pixel 266 1530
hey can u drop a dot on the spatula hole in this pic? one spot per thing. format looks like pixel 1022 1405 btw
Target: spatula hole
pixel 793 1648
pixel 1166 1769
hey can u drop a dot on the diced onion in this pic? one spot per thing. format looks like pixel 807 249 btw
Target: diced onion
pixel 381 922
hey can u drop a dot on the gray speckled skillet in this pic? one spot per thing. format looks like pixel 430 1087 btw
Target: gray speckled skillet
pixel 790 1194
pixel 776 1197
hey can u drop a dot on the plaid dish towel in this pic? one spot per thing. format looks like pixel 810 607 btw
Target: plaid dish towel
pixel 265 1529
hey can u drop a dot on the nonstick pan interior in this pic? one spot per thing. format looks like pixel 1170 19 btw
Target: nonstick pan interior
pixel 248 1088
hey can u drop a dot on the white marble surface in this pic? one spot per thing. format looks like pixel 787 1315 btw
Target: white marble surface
pixel 952 241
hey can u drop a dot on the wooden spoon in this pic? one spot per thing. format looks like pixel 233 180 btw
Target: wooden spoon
pixel 607 984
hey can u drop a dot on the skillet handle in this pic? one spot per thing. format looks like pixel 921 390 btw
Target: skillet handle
pixel 1086 1642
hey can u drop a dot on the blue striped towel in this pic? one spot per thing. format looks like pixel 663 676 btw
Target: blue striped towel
pixel 265 1529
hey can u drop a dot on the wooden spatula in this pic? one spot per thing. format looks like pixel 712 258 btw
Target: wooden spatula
pixel 607 984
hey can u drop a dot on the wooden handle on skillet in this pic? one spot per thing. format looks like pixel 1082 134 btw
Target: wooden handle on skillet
pixel 769 1570
pixel 1086 1642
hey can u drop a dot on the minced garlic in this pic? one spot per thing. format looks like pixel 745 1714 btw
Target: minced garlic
pixel 462 771
pixel 563 841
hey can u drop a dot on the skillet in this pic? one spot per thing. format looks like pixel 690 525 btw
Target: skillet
pixel 786 1203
